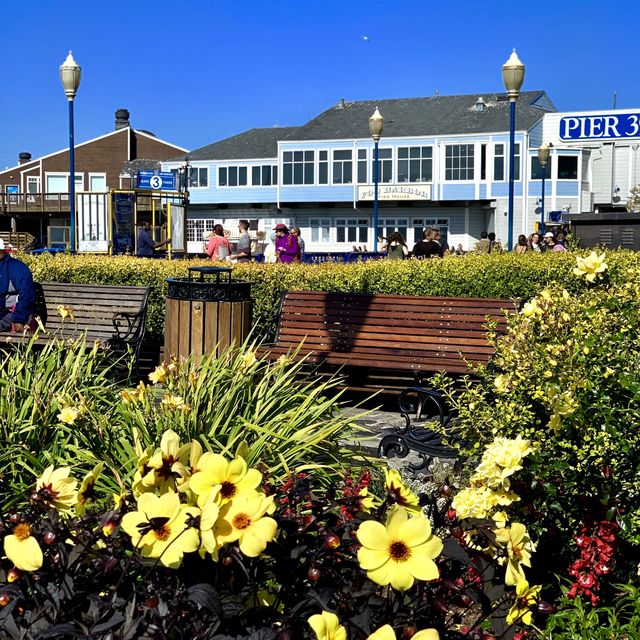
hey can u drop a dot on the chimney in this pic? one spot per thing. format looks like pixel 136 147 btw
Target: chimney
pixel 122 119
pixel 24 157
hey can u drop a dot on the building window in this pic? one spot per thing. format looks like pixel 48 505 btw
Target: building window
pixel 362 166
pixel 516 161
pixel 297 167
pixel 415 164
pixel 483 162
pixel 536 169
pixel 323 167
pixel 320 229
pixel 420 224
pixel 385 163
pixel 342 167
pixel 97 182
pixel 198 177
pixel 498 162
pixel 352 230
pixel 388 225
pixel 567 167
pixel 264 175
pixel 198 228
pixel 33 187
pixel 458 162
pixel 232 177
pixel 58 183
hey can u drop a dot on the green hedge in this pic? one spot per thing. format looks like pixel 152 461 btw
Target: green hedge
pixel 499 275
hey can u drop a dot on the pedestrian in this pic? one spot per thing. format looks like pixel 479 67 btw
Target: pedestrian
pixel 494 245
pixel 396 247
pixel 521 247
pixel 286 244
pixel 296 232
pixel 17 293
pixel 146 243
pixel 559 245
pixel 218 246
pixel 534 242
pixel 548 242
pixel 429 246
pixel 482 246
pixel 243 248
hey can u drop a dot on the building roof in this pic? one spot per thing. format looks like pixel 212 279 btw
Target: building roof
pixel 255 143
pixel 437 115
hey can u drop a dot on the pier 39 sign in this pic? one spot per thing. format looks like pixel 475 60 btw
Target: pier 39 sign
pixel 591 127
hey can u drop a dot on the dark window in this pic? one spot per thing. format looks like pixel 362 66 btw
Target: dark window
pixel 483 162
pixel 567 167
pixel 323 167
pixel 298 167
pixel 415 164
pixel 459 162
pixel 536 169
pixel 498 162
pixel 222 177
pixel 342 167
pixel 385 166
pixel 362 166
pixel 256 176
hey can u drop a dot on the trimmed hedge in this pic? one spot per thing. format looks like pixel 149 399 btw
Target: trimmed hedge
pixel 485 276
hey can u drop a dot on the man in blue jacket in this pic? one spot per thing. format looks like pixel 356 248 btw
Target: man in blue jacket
pixel 17 292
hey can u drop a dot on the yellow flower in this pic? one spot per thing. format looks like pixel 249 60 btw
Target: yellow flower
pixel 128 397
pixel 399 493
pixel 501 384
pixel 86 493
pixel 160 465
pixel 531 309
pixel 141 391
pixel 68 415
pixel 158 375
pixel 519 548
pixel 182 472
pixel 387 633
pixel 23 549
pixel 591 267
pixel 400 552
pixel 474 502
pixel 501 459
pixel 326 626
pixel 57 489
pixel 367 502
pixel 247 361
pixel 162 528
pixel 232 478
pixel 525 599
pixel 243 519
pixel 66 312
pixel 172 402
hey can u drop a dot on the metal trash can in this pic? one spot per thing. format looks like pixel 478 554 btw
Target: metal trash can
pixel 206 312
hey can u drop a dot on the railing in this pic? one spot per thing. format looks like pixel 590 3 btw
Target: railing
pixel 34 202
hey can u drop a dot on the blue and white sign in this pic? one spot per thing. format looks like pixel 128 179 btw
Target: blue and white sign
pixel 594 127
pixel 156 180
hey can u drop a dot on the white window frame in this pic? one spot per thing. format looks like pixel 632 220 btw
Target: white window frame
pixel 349 222
pixel 63 195
pixel 304 162
pixel 408 161
pixel 199 169
pixel 319 226
pixel 237 167
pixel 358 160
pixel 380 161
pixel 333 161
pixel 31 196
pixel 98 175
pixel 317 168
pixel 467 180
pixel 502 155
pixel 557 167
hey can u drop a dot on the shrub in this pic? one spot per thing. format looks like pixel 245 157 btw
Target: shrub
pixel 496 275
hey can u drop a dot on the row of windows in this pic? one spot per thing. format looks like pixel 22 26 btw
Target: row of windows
pixel 413 164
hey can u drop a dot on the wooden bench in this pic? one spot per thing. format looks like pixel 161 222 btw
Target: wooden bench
pixel 390 333
pixel 113 315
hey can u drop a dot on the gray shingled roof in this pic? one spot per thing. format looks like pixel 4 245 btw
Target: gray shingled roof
pixel 437 115
pixel 255 143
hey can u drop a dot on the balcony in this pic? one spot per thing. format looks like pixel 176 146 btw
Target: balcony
pixel 16 203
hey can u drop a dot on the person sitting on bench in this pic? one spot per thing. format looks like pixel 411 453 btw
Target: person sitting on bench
pixel 17 293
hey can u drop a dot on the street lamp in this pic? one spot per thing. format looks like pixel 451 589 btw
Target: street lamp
pixel 512 76
pixel 376 124
pixel 543 157
pixel 70 77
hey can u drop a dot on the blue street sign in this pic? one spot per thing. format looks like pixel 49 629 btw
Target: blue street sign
pixel 156 180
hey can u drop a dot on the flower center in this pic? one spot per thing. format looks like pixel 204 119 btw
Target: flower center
pixel 241 521
pixel 162 533
pixel 165 469
pixel 22 531
pixel 47 493
pixel 399 551
pixel 228 490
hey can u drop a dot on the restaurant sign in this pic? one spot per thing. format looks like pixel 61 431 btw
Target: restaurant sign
pixel 395 192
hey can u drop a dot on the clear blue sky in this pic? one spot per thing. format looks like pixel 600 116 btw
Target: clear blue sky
pixel 196 71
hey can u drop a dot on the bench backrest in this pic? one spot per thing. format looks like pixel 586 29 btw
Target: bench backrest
pixel 412 332
pixel 95 308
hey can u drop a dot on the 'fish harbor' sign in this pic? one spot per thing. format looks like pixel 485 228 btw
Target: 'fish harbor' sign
pixel 592 127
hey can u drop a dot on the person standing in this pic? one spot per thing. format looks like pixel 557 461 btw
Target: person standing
pixel 146 243
pixel 522 245
pixel 17 293
pixel 396 247
pixel 482 246
pixel 296 232
pixel 243 248
pixel 218 247
pixel 287 247
pixel 534 242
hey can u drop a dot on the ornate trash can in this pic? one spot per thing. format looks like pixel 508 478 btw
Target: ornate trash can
pixel 206 312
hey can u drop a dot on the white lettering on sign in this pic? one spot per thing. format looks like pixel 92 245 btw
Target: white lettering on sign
pixel 622 125
pixel 395 192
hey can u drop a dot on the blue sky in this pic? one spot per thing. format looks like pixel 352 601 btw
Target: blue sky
pixel 197 71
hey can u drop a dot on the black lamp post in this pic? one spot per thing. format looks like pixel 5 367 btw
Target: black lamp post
pixel 513 77
pixel 70 77
pixel 543 157
pixel 376 124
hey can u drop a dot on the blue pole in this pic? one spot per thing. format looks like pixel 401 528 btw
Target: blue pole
pixel 375 197
pixel 72 181
pixel 544 171
pixel 512 154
